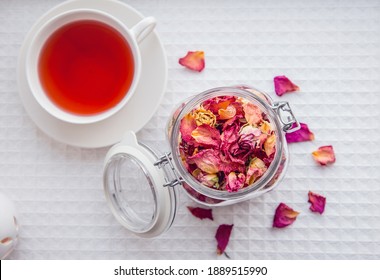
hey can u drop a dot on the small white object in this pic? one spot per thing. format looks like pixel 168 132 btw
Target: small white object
pixel 8 226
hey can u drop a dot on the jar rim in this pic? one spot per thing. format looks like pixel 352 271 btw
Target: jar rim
pixel 239 91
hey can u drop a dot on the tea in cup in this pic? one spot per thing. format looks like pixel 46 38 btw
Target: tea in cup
pixel 84 65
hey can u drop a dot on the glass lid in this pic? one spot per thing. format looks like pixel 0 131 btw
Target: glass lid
pixel 136 188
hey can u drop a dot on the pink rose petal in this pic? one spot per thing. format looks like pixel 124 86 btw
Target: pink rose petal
pixel 222 237
pixel 317 201
pixel 284 216
pixel 206 135
pixel 301 135
pixel 324 155
pixel 206 160
pixel 283 85
pixel 187 126
pixel 252 113
pixel 228 166
pixel 235 182
pixel 193 60
pixel 201 213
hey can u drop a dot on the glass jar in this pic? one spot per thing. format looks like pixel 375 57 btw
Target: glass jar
pixel 142 188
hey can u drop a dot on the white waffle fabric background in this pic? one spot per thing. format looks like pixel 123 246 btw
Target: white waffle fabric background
pixel 331 49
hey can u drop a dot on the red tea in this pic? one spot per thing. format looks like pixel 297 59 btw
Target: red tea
pixel 86 67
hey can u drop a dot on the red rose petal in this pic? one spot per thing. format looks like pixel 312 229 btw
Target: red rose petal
pixel 201 213
pixel 301 135
pixel 284 216
pixel 317 201
pixel 193 60
pixel 283 85
pixel 324 155
pixel 222 236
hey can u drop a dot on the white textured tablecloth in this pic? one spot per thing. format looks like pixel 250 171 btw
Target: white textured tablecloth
pixel 331 49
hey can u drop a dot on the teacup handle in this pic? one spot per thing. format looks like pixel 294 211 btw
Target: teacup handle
pixel 143 28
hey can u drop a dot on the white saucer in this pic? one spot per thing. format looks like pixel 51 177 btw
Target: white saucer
pixel 139 109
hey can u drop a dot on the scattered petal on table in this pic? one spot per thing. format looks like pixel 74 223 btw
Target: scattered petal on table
pixel 317 201
pixel 222 236
pixel 194 61
pixel 284 216
pixel 283 85
pixel 301 135
pixel 201 213
pixel 324 155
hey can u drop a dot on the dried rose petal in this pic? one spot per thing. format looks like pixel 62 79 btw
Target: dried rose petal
pixel 249 129
pixel 235 182
pixel 209 180
pixel 201 213
pixel 266 127
pixel 256 169
pixel 222 236
pixel 217 103
pixel 283 85
pixel 187 126
pixel 317 201
pixel 301 135
pixel 228 113
pixel 252 113
pixel 284 216
pixel 206 160
pixel 270 145
pixel 193 60
pixel 206 135
pixel 324 155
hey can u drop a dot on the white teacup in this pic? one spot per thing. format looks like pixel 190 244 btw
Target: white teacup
pixel 133 37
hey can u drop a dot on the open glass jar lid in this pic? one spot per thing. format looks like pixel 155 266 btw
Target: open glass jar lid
pixel 141 187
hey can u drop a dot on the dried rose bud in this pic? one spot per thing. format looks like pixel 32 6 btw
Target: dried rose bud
pixel 203 116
